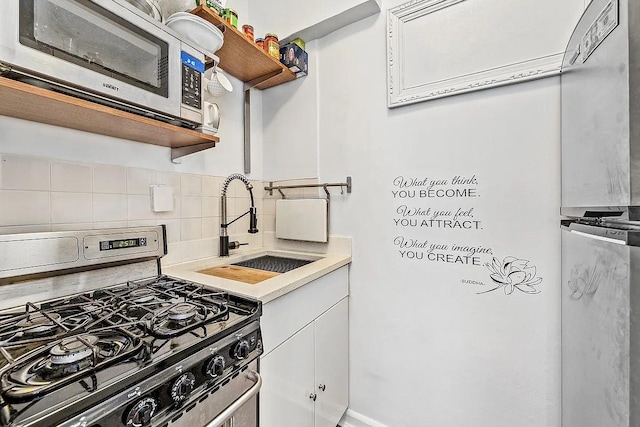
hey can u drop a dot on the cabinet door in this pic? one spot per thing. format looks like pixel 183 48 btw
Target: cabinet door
pixel 288 374
pixel 332 364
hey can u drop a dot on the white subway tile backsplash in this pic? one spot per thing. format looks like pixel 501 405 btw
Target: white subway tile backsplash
pixel 39 194
pixel 71 177
pixel 191 207
pixel 109 207
pixel 211 186
pixel 139 180
pixel 191 185
pixel 24 207
pixel 269 206
pixel 210 207
pixel 268 223
pixel 242 205
pixel 67 208
pixel 210 227
pixel 24 173
pixel 191 229
pixel 139 207
pixel 109 179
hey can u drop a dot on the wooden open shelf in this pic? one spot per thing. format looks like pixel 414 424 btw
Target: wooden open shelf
pixel 243 59
pixel 29 102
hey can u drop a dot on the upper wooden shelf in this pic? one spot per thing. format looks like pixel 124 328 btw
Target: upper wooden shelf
pixel 243 59
pixel 29 102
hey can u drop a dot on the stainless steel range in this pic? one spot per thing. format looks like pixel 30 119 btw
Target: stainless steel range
pixel 134 348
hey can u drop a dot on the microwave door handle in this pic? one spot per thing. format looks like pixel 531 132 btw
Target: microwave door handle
pixel 231 409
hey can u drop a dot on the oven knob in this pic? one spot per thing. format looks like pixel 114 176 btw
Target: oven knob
pixel 140 414
pixel 182 387
pixel 241 350
pixel 215 368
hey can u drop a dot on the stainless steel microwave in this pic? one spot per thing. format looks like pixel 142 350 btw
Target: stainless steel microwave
pixel 105 51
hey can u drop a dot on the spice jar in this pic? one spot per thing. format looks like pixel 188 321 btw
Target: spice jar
pixel 272 45
pixel 248 32
pixel 231 16
pixel 260 43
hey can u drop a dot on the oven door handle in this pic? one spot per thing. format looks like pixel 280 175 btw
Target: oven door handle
pixel 231 409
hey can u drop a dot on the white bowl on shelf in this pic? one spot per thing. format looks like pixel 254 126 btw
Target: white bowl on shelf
pixel 196 30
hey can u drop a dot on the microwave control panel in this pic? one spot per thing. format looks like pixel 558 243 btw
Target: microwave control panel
pixel 192 69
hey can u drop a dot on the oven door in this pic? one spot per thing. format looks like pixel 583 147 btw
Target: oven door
pixel 235 404
pixel 100 46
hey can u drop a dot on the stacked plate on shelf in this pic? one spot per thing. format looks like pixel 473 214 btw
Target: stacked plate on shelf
pixel 196 30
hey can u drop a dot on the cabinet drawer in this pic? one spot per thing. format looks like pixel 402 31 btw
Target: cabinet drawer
pixel 284 316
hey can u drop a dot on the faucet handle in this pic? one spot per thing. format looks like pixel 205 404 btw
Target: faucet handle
pixel 236 244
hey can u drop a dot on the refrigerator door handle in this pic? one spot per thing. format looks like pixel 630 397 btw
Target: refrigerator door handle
pixel 596 237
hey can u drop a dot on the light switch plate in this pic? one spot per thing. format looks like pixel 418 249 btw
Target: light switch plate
pixel 162 198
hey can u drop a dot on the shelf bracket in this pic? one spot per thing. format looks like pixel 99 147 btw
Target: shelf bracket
pixel 255 82
pixel 179 152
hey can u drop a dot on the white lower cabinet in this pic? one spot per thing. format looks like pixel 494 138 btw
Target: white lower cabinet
pixel 332 365
pixel 306 378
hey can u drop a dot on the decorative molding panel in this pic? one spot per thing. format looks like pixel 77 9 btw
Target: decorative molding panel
pixel 438 48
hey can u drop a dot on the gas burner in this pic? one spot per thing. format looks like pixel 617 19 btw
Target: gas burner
pixel 179 318
pixel 66 360
pixel 142 295
pixel 182 311
pixel 73 349
pixel 37 324
pixel 91 308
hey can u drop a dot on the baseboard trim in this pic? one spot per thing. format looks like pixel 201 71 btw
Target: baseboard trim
pixel 354 419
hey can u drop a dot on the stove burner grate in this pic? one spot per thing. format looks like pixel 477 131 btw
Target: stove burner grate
pixel 47 368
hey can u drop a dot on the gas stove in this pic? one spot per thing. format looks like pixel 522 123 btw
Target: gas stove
pixel 145 352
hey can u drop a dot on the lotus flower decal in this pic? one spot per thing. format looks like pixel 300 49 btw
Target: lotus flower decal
pixel 513 274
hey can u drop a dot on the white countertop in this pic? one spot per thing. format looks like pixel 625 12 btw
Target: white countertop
pixel 266 290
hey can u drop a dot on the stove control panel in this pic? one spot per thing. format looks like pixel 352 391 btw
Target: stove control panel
pixel 140 414
pixel 182 387
pixel 215 367
pixel 241 350
pixel 166 395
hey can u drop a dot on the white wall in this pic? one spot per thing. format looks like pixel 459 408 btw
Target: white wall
pixel 428 349
pixel 290 129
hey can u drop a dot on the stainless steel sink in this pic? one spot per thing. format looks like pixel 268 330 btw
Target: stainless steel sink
pixel 273 263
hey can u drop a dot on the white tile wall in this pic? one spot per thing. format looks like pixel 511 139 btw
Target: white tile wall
pixel 191 207
pixel 71 177
pixel 139 180
pixel 68 208
pixel 191 185
pixel 24 207
pixel 39 194
pixel 191 229
pixel 210 207
pixel 109 179
pixel 211 186
pixel 109 207
pixel 139 207
pixel 24 173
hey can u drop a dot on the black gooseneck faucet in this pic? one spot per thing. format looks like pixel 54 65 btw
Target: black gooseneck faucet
pixel 225 245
